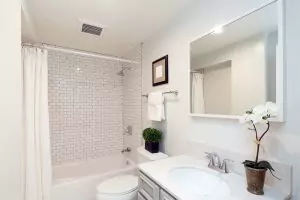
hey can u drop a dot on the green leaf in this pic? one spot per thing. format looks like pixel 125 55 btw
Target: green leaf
pixel 152 135
pixel 265 165
pixel 249 163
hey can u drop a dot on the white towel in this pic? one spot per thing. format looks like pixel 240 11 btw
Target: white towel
pixel 156 109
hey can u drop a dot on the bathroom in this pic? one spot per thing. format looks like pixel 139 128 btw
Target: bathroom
pixel 99 88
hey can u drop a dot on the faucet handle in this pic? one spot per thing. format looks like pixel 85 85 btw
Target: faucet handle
pixel 210 156
pixel 224 166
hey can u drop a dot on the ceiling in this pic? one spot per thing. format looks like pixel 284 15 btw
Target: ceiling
pixel 260 22
pixel 126 23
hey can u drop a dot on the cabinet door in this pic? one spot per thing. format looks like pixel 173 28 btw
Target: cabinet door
pixel 140 197
pixel 165 196
pixel 148 188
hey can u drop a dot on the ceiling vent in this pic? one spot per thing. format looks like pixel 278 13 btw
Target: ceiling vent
pixel 94 30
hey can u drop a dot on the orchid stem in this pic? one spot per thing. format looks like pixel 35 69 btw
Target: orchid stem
pixel 257 153
pixel 259 139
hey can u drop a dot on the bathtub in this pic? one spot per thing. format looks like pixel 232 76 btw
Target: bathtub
pixel 79 181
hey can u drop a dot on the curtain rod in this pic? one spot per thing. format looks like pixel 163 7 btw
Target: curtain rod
pixel 77 51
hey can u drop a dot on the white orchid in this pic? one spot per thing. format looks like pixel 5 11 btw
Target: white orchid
pixel 272 109
pixel 260 113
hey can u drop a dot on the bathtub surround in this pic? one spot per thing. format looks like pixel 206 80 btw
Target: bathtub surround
pixel 217 134
pixel 85 103
pixel 90 104
pixel 132 102
pixel 37 175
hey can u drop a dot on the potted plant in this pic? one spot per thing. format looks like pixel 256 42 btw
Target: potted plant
pixel 152 138
pixel 256 170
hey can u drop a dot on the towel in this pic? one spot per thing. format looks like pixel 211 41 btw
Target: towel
pixel 156 109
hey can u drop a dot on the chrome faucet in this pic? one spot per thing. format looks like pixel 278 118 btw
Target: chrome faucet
pixel 215 163
pixel 224 166
pixel 127 149
pixel 214 160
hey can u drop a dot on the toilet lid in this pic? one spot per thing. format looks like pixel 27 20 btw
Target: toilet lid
pixel 118 185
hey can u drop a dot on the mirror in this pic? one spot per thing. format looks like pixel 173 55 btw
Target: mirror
pixel 234 67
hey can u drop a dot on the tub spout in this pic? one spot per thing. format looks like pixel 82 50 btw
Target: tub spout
pixel 128 149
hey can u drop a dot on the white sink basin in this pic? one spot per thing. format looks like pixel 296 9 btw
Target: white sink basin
pixel 199 182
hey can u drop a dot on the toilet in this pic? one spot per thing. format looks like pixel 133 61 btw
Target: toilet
pixel 125 187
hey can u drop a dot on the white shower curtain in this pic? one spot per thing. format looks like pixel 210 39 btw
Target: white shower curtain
pixel 37 174
pixel 198 93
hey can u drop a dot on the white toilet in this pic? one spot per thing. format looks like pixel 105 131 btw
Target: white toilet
pixel 125 187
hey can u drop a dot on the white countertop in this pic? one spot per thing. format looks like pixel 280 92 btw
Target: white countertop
pixel 158 171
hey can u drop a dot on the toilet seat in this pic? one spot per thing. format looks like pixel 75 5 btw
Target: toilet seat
pixel 118 186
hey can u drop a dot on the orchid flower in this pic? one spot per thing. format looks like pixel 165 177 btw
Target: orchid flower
pixel 260 114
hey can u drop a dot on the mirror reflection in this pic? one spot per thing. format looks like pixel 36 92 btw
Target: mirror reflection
pixel 234 67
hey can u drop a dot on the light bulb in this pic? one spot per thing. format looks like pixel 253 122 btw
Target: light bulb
pixel 218 30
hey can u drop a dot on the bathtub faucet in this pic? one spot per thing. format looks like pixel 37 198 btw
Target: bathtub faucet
pixel 127 149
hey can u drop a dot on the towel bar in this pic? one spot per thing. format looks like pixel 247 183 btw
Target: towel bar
pixel 169 92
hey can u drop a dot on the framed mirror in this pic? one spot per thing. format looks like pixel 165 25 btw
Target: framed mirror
pixel 239 65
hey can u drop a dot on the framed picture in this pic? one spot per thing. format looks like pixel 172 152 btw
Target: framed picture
pixel 160 74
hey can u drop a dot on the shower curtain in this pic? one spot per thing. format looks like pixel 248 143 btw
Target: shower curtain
pixel 198 93
pixel 36 156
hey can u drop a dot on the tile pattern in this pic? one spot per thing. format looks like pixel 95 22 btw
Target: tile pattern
pixel 132 103
pixel 86 107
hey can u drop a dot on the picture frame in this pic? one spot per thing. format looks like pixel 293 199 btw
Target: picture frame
pixel 160 71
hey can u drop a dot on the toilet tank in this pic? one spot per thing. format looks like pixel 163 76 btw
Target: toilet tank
pixel 145 156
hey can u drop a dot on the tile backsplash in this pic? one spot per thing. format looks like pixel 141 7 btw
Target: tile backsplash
pixel 85 107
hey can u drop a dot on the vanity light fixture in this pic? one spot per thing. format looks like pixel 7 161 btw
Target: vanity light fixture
pixel 218 30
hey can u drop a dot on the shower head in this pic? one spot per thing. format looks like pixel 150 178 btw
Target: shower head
pixel 121 73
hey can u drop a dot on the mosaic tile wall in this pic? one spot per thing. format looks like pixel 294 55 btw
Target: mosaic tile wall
pixel 132 103
pixel 86 107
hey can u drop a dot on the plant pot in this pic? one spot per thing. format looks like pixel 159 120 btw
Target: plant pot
pixel 152 147
pixel 255 180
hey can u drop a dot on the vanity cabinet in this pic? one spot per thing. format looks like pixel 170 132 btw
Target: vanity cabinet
pixel 141 197
pixel 149 190
pixel 165 196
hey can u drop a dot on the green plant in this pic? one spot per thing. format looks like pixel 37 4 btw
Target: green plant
pixel 152 135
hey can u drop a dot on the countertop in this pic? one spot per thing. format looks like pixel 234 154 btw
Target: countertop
pixel 158 171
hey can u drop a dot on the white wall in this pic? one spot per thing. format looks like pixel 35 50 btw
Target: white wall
pixel 10 101
pixel 179 128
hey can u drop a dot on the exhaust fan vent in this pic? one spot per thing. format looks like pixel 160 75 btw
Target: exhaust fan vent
pixel 95 30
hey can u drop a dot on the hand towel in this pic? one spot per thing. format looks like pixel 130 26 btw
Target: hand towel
pixel 156 109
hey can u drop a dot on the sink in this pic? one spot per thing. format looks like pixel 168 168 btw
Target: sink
pixel 199 182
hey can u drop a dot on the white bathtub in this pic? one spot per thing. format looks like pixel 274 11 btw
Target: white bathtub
pixel 78 181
